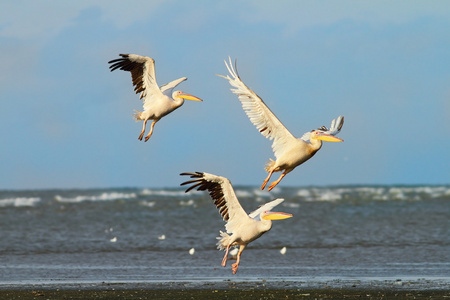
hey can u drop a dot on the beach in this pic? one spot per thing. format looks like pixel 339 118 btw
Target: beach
pixel 232 290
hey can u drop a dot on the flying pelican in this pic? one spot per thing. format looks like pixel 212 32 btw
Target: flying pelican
pixel 158 101
pixel 289 151
pixel 243 228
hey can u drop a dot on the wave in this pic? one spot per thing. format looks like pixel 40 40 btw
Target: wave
pixel 164 193
pixel 102 197
pixel 151 197
pixel 373 193
pixel 187 203
pixel 19 202
pixel 147 203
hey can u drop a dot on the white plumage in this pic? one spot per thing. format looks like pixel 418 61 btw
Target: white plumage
pixel 289 151
pixel 157 101
pixel 241 229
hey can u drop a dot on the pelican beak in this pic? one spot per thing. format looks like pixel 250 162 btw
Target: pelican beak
pixel 272 215
pixel 327 138
pixel 189 97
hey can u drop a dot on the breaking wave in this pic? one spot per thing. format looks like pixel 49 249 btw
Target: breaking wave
pixel 102 197
pixel 19 202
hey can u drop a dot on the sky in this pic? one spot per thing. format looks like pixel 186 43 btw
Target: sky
pixel 66 120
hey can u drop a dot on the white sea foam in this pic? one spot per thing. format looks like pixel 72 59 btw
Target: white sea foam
pixel 304 193
pixel 242 194
pixel 373 193
pixel 19 202
pixel 291 204
pixel 101 197
pixel 148 203
pixel 397 193
pixel 148 192
pixel 329 195
pixel 187 203
pixel 265 194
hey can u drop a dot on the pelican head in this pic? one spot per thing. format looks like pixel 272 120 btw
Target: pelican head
pixel 272 215
pixel 180 94
pixel 319 135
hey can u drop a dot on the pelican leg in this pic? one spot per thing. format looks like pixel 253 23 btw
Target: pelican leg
pixel 273 184
pixel 267 179
pixel 143 130
pixel 235 266
pixel 151 130
pixel 225 257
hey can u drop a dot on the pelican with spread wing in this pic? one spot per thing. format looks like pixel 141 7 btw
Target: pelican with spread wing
pixel 242 227
pixel 157 101
pixel 289 151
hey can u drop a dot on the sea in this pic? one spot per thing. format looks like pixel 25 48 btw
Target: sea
pixel 339 235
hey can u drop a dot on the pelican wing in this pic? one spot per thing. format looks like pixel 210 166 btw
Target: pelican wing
pixel 335 128
pixel 142 69
pixel 258 112
pixel 266 207
pixel 222 192
pixel 168 87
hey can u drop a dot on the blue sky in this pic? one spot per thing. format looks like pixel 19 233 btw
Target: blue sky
pixel 66 121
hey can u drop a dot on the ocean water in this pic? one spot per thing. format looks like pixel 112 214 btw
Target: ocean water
pixel 398 233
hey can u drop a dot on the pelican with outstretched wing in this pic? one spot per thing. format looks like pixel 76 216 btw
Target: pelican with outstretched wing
pixel 243 228
pixel 289 151
pixel 157 101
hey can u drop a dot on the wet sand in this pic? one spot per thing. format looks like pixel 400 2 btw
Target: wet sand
pixel 227 290
pixel 222 294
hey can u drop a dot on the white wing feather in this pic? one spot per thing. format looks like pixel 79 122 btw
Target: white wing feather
pixel 145 67
pixel 258 112
pixel 145 72
pixel 266 207
pixel 168 87
pixel 235 210
pixel 222 192
pixel 335 128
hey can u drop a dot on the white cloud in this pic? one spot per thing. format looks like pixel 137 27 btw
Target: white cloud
pixel 300 14
pixel 43 19
pixel 27 26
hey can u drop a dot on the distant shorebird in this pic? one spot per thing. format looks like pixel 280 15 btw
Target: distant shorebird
pixel 289 151
pixel 243 228
pixel 158 101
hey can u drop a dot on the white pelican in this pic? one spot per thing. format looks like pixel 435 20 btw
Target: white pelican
pixel 242 227
pixel 289 151
pixel 158 101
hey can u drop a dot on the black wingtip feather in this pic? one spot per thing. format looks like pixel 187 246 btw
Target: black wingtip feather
pixel 214 189
pixel 341 124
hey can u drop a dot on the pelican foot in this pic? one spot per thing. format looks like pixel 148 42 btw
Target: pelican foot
pixel 271 186
pixel 234 267
pixel 224 262
pixel 264 184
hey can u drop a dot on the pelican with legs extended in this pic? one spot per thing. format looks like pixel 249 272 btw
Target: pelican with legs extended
pixel 157 101
pixel 289 151
pixel 243 228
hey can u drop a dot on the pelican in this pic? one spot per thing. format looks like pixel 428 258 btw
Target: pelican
pixel 158 101
pixel 289 151
pixel 243 228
